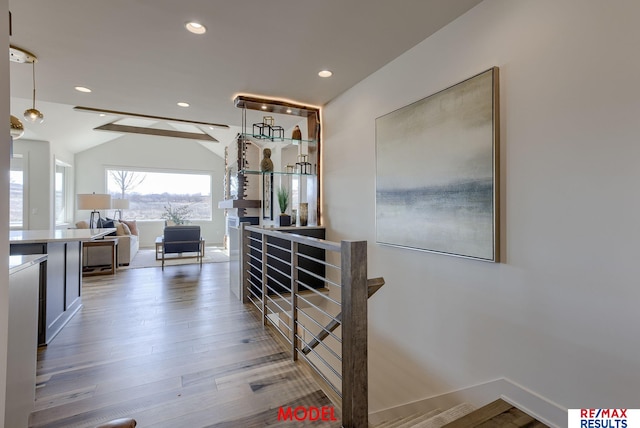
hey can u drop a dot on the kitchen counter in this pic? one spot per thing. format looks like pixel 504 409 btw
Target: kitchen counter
pixel 61 285
pixel 18 263
pixel 57 235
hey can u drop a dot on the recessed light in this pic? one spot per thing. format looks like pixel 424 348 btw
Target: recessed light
pixel 289 110
pixel 183 104
pixel 102 115
pixel 325 73
pixel 264 107
pixel 82 89
pixel 195 27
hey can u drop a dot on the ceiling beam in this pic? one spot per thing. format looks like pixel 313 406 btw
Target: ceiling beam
pixel 113 127
pixel 147 116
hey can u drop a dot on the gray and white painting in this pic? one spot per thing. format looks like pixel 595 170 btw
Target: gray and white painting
pixel 435 172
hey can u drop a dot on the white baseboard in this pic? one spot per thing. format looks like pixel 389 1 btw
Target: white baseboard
pixel 479 395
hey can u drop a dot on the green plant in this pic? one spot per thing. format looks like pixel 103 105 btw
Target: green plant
pixel 178 214
pixel 283 199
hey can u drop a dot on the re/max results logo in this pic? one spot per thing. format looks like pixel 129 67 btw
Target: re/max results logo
pixel 603 418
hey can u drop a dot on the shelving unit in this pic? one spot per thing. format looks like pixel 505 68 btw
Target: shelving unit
pixel 250 194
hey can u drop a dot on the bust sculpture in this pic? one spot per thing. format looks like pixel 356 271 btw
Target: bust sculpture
pixel 267 163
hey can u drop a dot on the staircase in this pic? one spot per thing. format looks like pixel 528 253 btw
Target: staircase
pixel 496 414
pixel 434 419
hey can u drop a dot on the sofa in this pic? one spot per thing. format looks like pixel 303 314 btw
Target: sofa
pixel 128 244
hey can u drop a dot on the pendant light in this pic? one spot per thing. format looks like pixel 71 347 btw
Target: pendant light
pixel 33 115
pixel 17 129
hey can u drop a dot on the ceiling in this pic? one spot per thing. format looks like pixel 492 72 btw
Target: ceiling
pixel 136 56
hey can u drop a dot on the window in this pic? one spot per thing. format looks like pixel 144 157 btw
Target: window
pixel 17 192
pixel 149 192
pixel 61 202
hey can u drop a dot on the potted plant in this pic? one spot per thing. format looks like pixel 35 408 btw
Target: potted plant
pixel 176 215
pixel 283 202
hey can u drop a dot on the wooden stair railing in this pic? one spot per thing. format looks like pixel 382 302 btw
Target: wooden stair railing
pixel 373 285
pixel 266 264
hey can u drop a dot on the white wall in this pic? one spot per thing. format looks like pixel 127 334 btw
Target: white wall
pixel 560 314
pixel 152 152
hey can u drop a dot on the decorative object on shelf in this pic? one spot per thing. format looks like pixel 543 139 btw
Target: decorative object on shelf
pixel 283 201
pixel 303 166
pixel 177 215
pixel 296 134
pixel 93 202
pixel 290 169
pixel 17 129
pixel 268 120
pixel 456 206
pixel 267 196
pixel 304 213
pixel 267 164
pixel 294 217
pixel 277 132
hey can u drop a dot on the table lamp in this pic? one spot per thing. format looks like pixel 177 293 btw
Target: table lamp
pixel 119 205
pixel 93 202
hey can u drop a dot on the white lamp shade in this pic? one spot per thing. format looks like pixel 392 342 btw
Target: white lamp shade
pixel 92 201
pixel 120 204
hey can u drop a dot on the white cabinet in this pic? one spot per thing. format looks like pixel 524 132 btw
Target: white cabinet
pixel 26 275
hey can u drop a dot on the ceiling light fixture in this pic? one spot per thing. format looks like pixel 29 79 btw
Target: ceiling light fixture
pixel 325 73
pixel 195 27
pixel 22 56
pixel 17 129
pixel 32 114
pixel 82 89
pixel 183 104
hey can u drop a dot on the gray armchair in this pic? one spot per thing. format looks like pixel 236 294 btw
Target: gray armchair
pixel 182 239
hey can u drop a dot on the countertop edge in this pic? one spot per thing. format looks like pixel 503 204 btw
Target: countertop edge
pixel 23 262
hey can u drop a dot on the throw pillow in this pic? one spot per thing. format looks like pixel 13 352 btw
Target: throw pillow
pixel 106 224
pixel 126 229
pixel 132 226
pixel 119 228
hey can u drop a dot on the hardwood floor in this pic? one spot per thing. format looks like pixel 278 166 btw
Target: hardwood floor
pixel 170 349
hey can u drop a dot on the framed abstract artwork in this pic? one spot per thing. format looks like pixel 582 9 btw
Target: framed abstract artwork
pixel 437 171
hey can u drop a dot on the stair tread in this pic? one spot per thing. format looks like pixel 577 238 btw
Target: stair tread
pixel 419 419
pixel 447 416
pixel 392 423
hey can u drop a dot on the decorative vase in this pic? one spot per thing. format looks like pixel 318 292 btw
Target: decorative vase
pixel 296 134
pixel 294 217
pixel 304 213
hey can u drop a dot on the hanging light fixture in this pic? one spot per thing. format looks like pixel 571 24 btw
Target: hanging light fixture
pixel 17 129
pixel 22 56
pixel 33 115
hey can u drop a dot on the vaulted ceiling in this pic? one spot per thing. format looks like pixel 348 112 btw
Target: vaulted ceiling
pixel 136 56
